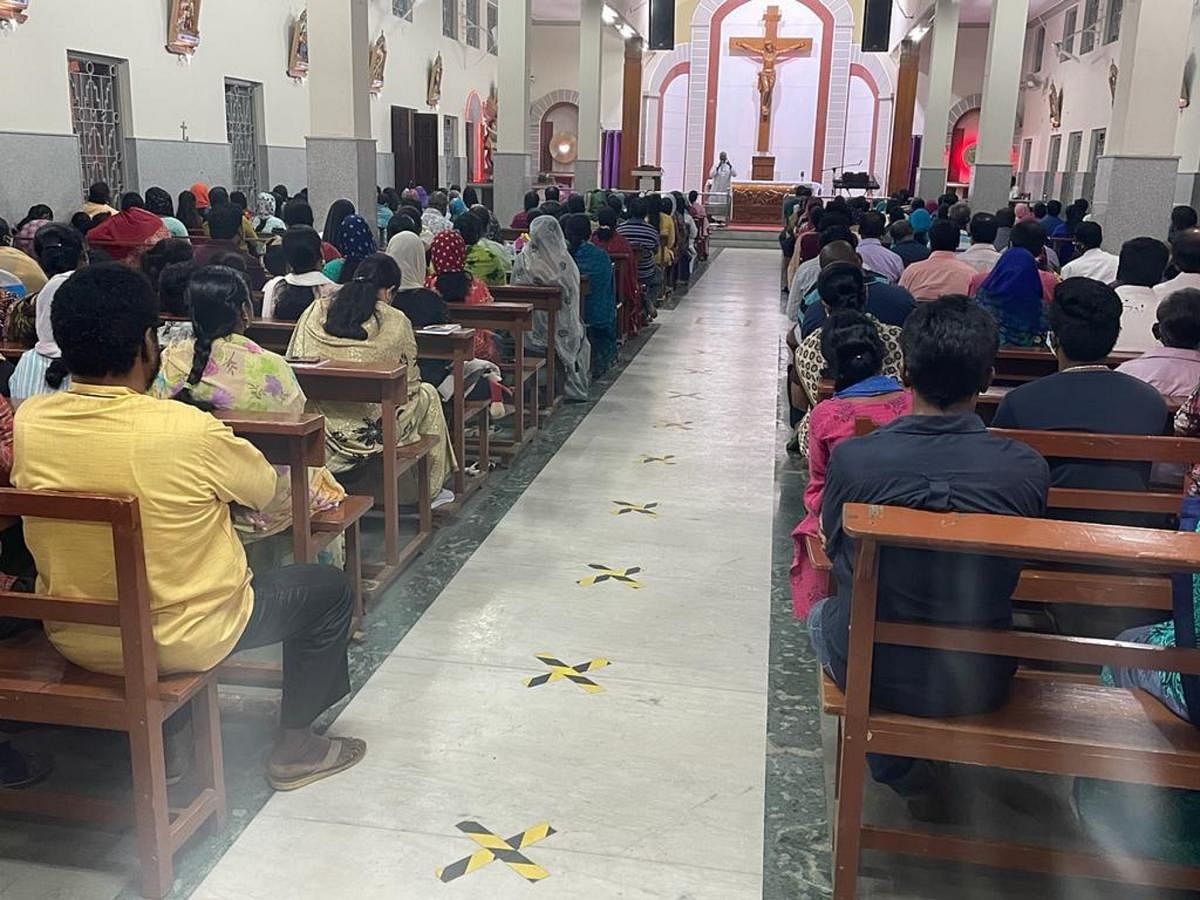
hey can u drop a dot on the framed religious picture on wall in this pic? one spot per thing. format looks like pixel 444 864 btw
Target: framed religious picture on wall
pixel 183 27
pixel 14 11
pixel 298 57
pixel 379 54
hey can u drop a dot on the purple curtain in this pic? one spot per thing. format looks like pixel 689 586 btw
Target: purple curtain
pixel 610 159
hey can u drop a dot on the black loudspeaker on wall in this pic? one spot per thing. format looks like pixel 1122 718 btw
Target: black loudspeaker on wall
pixel 662 24
pixel 877 26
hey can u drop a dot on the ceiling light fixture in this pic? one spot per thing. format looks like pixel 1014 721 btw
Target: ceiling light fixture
pixel 608 14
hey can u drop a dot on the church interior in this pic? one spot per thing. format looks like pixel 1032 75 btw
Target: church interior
pixel 708 449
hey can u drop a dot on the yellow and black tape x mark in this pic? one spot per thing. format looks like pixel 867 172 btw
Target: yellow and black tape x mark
pixel 493 847
pixel 622 576
pixel 623 508
pixel 560 670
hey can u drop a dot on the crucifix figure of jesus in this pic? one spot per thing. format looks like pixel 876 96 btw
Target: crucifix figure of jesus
pixel 771 49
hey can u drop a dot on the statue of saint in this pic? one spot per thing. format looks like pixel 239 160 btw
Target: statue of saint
pixel 379 54
pixel 434 95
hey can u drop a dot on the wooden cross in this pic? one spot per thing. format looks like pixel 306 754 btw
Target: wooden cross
pixel 770 49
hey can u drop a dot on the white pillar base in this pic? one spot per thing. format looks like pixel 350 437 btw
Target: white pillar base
pixel 931 183
pixel 1187 189
pixel 510 177
pixel 990 187
pixel 1134 195
pixel 341 167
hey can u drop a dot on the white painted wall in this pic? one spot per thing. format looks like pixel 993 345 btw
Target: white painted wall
pixel 860 128
pixel 674 131
pixel 245 40
pixel 554 65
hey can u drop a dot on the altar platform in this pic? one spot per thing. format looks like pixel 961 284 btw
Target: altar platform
pixel 759 202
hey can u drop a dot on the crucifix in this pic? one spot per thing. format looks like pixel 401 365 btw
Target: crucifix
pixel 183 130
pixel 770 49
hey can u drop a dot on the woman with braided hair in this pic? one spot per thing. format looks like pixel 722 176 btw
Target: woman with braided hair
pixel 220 368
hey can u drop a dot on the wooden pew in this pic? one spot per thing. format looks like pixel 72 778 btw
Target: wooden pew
pixel 39 685
pixel 298 441
pixel 12 351
pixel 1016 365
pixel 1052 724
pixel 549 301
pixel 457 348
pixel 516 319
pixel 386 385
pixel 271 334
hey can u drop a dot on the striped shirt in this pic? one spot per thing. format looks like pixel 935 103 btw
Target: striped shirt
pixel 644 239
pixel 29 377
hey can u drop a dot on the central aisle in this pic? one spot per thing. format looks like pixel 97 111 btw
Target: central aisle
pixel 652 781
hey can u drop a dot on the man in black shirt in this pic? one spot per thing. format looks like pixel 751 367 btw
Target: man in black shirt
pixel 1085 395
pixel 940 458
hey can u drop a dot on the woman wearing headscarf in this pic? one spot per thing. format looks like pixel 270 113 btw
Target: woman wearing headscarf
pixel 130 233
pixel 457 208
pixel 334 218
pixel 358 324
pixel 491 226
pixel 1013 295
pixel 921 221
pixel 422 306
pixel 454 284
pixel 355 239
pixel 547 262
pixel 203 202
pixel 265 221
pixel 159 202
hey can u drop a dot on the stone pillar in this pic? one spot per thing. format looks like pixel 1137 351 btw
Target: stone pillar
pixel 591 36
pixel 631 113
pixel 1136 178
pixel 991 180
pixel 902 123
pixel 340 149
pixel 931 174
pixel 510 173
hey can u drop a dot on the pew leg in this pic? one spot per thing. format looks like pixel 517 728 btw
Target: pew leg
pixel 150 807
pixel 847 843
pixel 837 761
pixel 206 725
pixel 425 496
pixel 354 566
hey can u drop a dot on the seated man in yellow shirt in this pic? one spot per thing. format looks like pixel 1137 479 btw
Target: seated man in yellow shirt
pixel 104 435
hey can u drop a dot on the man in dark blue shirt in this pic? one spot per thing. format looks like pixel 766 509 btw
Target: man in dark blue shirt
pixel 940 458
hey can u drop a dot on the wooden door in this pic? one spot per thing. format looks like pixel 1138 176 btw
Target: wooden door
pixel 425 150
pixel 402 146
pixel 547 161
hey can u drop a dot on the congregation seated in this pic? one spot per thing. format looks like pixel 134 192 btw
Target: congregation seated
pixel 1183 218
pixel 876 257
pixel 905 244
pixel 1085 395
pixel 1185 259
pixel 218 367
pixel 1005 220
pixel 434 219
pixel 40 370
pixel 265 222
pixel 225 239
pixel 547 262
pixel 1174 368
pixel 943 272
pixel 1141 265
pixel 834 227
pixel 1091 261
pixel 357 323
pixel 187 210
pixel 941 458
pixel 27 276
pixel 888 303
pixel 981 255
pixel 172 301
pixel 288 296
pixel 105 435
pixel 600 305
pixel 854 356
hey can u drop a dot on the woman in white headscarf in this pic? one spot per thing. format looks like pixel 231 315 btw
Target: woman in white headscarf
pixel 60 251
pixel 546 261
pixel 422 306
pixel 265 221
